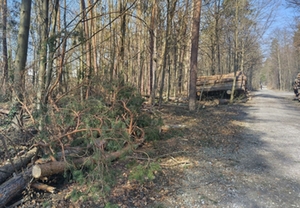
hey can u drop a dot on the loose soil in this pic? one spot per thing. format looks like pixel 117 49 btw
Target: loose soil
pixel 239 155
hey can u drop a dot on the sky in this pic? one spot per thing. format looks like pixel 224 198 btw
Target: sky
pixel 284 16
pixel 284 19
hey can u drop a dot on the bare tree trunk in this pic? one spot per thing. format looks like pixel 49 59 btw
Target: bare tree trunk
pixel 139 48
pixel 86 37
pixel 194 54
pixel 41 98
pixel 122 46
pixel 153 55
pixel 52 46
pixel 279 69
pixel 94 37
pixel 20 61
pixel 236 33
pixel 170 15
pixel 4 46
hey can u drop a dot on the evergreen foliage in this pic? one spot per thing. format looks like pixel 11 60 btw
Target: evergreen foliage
pixel 99 126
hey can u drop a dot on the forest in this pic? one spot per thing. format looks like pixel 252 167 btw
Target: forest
pixel 84 77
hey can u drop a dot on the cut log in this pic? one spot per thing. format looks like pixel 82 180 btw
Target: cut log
pixel 8 169
pixel 222 82
pixel 221 87
pixel 222 76
pixel 202 81
pixel 55 167
pixel 13 187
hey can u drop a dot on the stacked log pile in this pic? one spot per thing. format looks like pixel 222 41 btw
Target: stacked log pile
pixel 297 80
pixel 222 82
pixel 296 87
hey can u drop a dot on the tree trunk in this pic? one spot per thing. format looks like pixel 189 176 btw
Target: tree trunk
pixel 52 47
pixel 4 46
pixel 20 61
pixel 153 55
pixel 87 42
pixel 170 15
pixel 13 187
pixel 44 10
pixel 235 66
pixel 122 71
pixel 194 54
pixel 139 48
pixel 94 37
pixel 7 170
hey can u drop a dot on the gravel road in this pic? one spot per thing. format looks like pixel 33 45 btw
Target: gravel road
pixel 264 171
pixel 271 150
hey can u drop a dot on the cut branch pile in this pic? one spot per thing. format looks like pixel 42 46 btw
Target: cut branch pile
pixel 222 82
pixel 13 186
pixel 88 134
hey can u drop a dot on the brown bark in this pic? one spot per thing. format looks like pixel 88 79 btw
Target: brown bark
pixel 194 54
pixel 221 87
pixel 221 82
pixel 230 76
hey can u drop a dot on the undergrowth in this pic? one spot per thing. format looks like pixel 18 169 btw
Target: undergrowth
pixel 102 128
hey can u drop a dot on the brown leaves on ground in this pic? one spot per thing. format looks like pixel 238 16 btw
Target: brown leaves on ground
pixel 210 127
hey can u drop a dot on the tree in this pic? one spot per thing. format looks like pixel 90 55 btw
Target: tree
pixel 20 61
pixel 171 6
pixel 194 53
pixel 153 57
pixel 44 19
pixel 4 44
pixel 294 3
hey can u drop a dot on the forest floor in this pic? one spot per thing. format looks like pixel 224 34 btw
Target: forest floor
pixel 239 155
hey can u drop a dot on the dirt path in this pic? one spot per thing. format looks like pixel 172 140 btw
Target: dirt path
pixel 272 149
pixel 262 171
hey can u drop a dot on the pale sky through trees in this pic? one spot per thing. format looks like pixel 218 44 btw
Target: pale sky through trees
pixel 284 17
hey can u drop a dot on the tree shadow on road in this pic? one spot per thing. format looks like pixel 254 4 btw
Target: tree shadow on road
pixel 224 163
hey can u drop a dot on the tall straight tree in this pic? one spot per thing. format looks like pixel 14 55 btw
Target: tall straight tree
pixel 153 55
pixel 194 53
pixel 236 47
pixel 44 10
pixel 4 44
pixel 88 53
pixel 20 61
pixel 171 6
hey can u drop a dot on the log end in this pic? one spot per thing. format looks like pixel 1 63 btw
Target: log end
pixel 36 171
